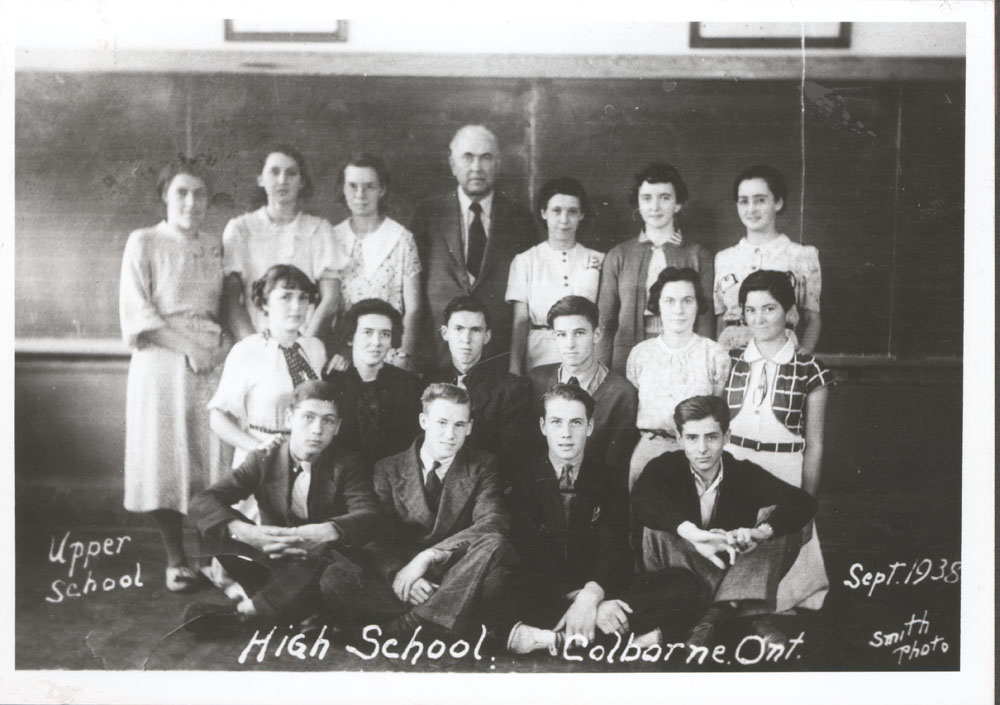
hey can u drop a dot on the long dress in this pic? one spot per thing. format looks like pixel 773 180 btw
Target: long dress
pixel 540 277
pixel 758 392
pixel 169 280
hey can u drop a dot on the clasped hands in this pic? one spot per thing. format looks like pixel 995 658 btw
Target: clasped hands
pixel 284 542
pixel 732 542
pixel 410 585
pixel 590 611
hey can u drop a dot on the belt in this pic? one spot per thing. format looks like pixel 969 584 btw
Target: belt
pixel 262 429
pixel 658 433
pixel 793 447
pixel 535 326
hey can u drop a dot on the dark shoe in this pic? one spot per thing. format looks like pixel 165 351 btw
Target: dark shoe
pixel 312 626
pixel 403 627
pixel 211 619
pixel 707 631
pixel 764 626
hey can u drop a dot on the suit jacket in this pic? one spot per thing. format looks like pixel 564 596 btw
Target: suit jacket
pixel 471 506
pixel 340 491
pixel 593 545
pixel 502 409
pixel 623 293
pixel 437 227
pixel 665 496
pixel 616 403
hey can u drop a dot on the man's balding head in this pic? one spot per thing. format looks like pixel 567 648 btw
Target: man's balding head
pixel 475 160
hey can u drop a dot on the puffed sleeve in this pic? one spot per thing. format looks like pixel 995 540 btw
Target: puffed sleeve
pixel 518 279
pixel 137 312
pixel 411 260
pixel 328 259
pixel 231 395
pixel 810 278
pixel 633 367
pixel 234 247
pixel 718 367
pixel 717 298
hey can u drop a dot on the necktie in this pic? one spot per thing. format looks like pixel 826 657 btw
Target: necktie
pixel 460 381
pixel 566 491
pixel 432 487
pixel 300 493
pixel 477 240
pixel 760 393
pixel 574 381
pixel 298 368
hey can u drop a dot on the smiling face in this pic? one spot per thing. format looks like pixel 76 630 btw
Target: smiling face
pixel 281 179
pixel 576 340
pixel 562 216
pixel 466 335
pixel 186 199
pixel 702 442
pixel 446 426
pixel 372 340
pixel 658 205
pixel 566 428
pixel 757 206
pixel 765 317
pixel 313 424
pixel 678 307
pixel 362 190
pixel 286 308
pixel 474 160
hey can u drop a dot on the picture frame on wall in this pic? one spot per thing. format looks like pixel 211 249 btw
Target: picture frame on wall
pixel 285 30
pixel 770 35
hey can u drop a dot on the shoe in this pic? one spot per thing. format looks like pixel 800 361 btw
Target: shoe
pixel 524 640
pixel 764 626
pixel 211 618
pixel 649 638
pixel 706 632
pixel 402 627
pixel 313 625
pixel 181 578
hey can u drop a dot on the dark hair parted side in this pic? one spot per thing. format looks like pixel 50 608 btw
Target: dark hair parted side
pixel 193 166
pixel 313 389
pixel 574 306
pixel 466 303
pixel 701 407
pixel 288 150
pixel 376 307
pixel 447 392
pixel 775 182
pixel 568 392
pixel 288 275
pixel 777 284
pixel 566 186
pixel 659 173
pixel 365 160
pixel 675 274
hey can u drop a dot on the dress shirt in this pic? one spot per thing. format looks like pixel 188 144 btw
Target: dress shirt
pixel 300 488
pixel 588 383
pixel 427 462
pixel 558 464
pixel 707 495
pixel 467 217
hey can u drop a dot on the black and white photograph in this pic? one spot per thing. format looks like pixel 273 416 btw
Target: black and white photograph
pixel 543 357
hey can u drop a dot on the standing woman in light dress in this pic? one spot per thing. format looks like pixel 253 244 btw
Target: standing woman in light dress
pixel 548 272
pixel 658 195
pixel 262 370
pixel 777 397
pixel 673 366
pixel 171 284
pixel 380 256
pixel 278 232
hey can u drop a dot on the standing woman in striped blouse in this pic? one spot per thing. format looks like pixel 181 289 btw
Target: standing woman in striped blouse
pixel 777 397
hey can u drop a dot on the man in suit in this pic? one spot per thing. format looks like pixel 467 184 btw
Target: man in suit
pixel 467 238
pixel 729 521
pixel 501 401
pixel 444 550
pixel 316 507
pixel 570 524
pixel 574 320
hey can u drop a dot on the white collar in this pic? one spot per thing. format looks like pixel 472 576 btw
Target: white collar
pixel 785 355
pixel 558 464
pixel 774 244
pixel 587 384
pixel 465 200
pixel 700 484
pixel 427 462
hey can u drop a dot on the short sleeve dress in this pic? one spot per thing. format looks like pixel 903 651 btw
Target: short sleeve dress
pixel 256 385
pixel 767 401
pixel 664 377
pixel 253 243
pixel 169 280
pixel 540 277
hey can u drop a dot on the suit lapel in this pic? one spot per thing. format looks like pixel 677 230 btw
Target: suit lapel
pixel 280 486
pixel 320 474
pixel 491 254
pixel 587 496
pixel 544 486
pixel 455 492
pixel 410 486
pixel 453 237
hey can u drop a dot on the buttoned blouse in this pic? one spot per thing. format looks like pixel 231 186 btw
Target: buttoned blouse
pixel 543 275
pixel 376 266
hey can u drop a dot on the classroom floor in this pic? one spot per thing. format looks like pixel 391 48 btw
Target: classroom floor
pixel 129 621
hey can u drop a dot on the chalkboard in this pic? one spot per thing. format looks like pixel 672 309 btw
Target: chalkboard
pixel 875 173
